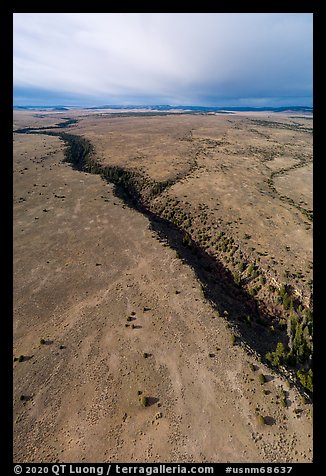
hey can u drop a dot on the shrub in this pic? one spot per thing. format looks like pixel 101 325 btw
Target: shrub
pixel 306 379
pixel 144 401
pixel 237 278
pixel 261 379
pixel 278 356
pixel 42 341
pixel 283 402
pixel 287 302
pixel 253 291
pixel 250 269
pixel 233 339
pixel 21 358
pixel 260 420
pixel 252 367
pixel 145 355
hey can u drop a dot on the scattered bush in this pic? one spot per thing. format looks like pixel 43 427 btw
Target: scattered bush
pixel 261 379
pixel 306 379
pixel 254 291
pixel 278 356
pixel 283 402
pixel 237 278
pixel 144 401
pixel 250 269
pixel 283 398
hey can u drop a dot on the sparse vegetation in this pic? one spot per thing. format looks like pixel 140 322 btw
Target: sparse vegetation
pixel 306 379
pixel 278 356
pixel 144 401
pixel 261 379
pixel 283 398
pixel 218 260
pixel 242 267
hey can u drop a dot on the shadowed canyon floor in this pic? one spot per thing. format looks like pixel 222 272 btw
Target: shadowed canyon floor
pixel 122 317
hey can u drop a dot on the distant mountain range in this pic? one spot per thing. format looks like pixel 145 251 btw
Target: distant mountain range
pixel 161 107
pixel 53 108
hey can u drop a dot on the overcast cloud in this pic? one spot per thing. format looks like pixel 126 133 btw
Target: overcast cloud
pixel 163 58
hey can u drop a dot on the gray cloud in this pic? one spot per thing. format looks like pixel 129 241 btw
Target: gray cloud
pixel 165 58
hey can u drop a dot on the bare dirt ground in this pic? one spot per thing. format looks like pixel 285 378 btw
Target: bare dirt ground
pixel 83 263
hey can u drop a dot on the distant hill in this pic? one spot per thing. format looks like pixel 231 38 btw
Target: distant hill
pixel 161 107
pixel 44 108
pixel 166 107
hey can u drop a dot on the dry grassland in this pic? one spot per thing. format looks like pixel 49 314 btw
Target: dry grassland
pixel 105 312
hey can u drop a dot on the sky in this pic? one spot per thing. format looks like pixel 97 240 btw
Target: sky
pixel 203 59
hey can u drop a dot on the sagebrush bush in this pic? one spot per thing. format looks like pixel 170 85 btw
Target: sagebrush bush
pixel 261 379
pixel 144 401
